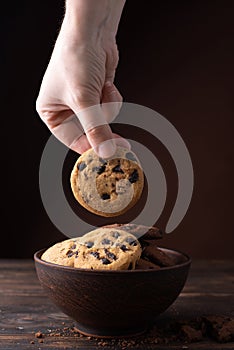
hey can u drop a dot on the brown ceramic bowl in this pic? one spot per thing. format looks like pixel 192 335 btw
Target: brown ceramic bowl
pixel 113 303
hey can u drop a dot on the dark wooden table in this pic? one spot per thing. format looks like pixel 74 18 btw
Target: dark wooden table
pixel 25 309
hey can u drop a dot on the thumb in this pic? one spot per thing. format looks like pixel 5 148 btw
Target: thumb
pixel 97 129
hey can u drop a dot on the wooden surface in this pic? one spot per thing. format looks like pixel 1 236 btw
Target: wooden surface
pixel 25 309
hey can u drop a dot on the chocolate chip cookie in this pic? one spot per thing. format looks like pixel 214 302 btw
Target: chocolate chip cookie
pixel 103 248
pixel 107 187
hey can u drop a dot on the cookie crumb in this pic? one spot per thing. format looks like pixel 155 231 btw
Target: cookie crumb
pixel 191 334
pixel 220 328
pixel 38 334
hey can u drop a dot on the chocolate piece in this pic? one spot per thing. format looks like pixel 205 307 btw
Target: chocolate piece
pixel 190 333
pixel 95 254
pixel 101 160
pixel 81 166
pixel 157 256
pixel 73 246
pixel 143 264
pixel 110 255
pixel 221 328
pixel 131 241
pixel 117 169
pixel 89 244
pixel 105 196
pixel 69 253
pixel 106 261
pixel 115 234
pixel 106 241
pixel 99 169
pixel 133 177
pixel 123 247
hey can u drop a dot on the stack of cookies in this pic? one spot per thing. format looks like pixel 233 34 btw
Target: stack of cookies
pixel 115 247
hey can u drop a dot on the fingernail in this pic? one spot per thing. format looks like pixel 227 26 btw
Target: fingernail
pixel 106 149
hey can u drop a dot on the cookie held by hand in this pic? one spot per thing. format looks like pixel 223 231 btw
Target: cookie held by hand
pixel 107 187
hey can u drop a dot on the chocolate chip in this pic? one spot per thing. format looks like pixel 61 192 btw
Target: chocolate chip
pixel 106 261
pixel 89 244
pixel 117 169
pixel 123 248
pixel 110 255
pixel 95 254
pixel 101 160
pixel 73 246
pixel 69 253
pixel 81 166
pixel 130 156
pixel 133 177
pixel 99 169
pixel 115 234
pixel 105 196
pixel 76 253
pixel 131 241
pixel 106 241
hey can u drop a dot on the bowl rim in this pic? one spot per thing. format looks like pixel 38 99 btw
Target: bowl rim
pixel 112 272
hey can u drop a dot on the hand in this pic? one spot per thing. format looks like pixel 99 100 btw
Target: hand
pixel 79 79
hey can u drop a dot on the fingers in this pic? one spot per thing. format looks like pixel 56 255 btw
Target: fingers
pixel 95 119
pixel 63 123
pixel 111 101
pixel 82 144
pixel 68 131
pixel 112 59
pixel 69 127
pixel 97 130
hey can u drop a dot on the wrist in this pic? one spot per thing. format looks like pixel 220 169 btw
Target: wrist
pixel 92 20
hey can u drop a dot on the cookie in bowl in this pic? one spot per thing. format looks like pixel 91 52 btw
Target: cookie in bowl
pixel 103 248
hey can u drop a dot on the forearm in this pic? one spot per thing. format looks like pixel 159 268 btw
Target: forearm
pixel 91 19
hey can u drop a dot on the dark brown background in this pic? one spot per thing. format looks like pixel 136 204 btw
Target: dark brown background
pixel 176 57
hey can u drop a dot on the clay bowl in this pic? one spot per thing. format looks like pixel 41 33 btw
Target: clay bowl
pixel 113 303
